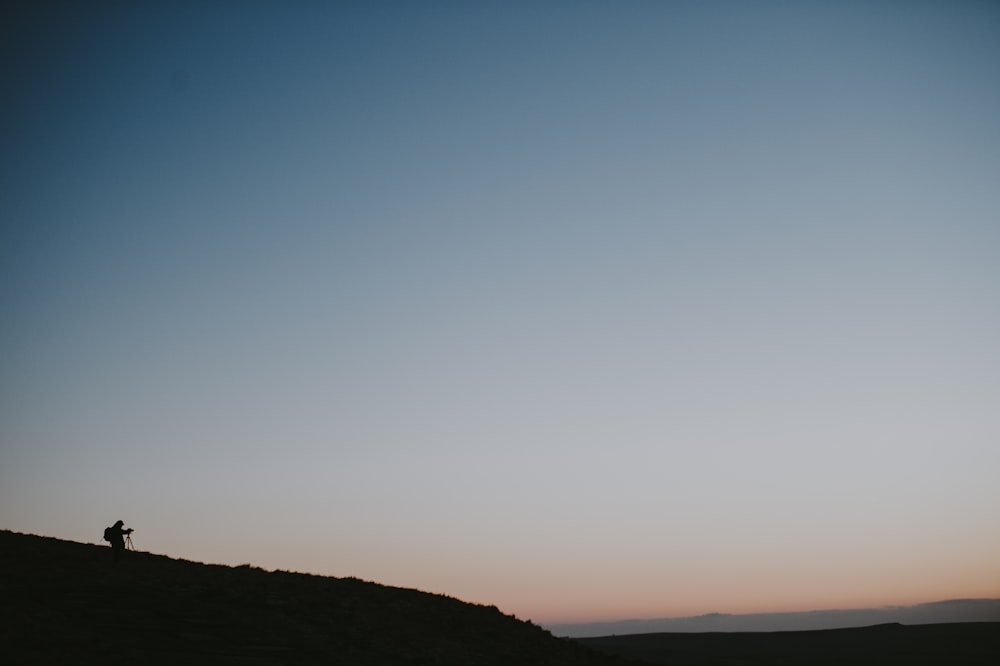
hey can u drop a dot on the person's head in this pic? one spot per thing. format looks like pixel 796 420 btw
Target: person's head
pixel 119 523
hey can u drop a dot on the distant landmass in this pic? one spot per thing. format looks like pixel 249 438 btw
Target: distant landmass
pixel 955 610
pixel 964 643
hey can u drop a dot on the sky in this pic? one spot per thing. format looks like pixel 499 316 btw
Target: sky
pixel 587 310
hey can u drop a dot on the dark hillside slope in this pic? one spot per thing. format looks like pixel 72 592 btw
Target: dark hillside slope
pixel 68 602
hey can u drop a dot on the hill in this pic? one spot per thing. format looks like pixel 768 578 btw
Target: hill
pixel 68 602
pixel 938 612
pixel 969 644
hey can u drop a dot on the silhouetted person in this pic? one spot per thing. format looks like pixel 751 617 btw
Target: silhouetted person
pixel 116 535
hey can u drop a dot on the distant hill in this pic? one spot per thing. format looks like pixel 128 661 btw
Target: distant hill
pixel 967 644
pixel 68 603
pixel 956 610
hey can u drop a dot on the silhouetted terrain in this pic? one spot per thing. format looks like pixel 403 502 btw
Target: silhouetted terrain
pixel 968 644
pixel 67 602
pixel 938 612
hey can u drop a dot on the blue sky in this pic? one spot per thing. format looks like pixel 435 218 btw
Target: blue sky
pixel 587 310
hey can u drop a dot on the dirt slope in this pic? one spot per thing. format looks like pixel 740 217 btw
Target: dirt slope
pixel 67 602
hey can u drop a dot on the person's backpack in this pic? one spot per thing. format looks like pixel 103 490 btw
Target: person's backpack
pixel 109 534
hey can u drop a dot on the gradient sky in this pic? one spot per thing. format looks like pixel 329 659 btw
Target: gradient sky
pixel 588 310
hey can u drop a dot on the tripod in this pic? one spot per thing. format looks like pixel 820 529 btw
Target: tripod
pixel 128 542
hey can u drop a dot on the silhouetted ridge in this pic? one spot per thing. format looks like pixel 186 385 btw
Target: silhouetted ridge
pixel 68 602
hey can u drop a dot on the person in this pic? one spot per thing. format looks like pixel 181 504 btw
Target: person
pixel 116 535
